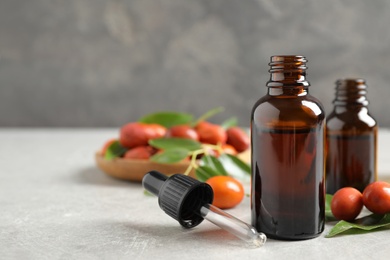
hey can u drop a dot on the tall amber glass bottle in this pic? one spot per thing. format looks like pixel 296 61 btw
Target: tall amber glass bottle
pixel 351 138
pixel 287 131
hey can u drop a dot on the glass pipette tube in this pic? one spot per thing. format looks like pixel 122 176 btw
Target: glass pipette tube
pixel 189 201
pixel 233 225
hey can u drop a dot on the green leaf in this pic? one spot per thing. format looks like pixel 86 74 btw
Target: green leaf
pixel 235 166
pixel 229 123
pixel 114 150
pixel 208 114
pixel 328 212
pixel 203 173
pixel 366 223
pixel 167 119
pixel 173 155
pixel 171 143
pixel 214 163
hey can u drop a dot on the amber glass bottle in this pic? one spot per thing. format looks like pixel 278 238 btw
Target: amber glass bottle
pixel 287 131
pixel 351 138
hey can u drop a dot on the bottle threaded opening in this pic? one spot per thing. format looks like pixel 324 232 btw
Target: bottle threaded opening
pixel 351 91
pixel 287 62
pixel 351 83
pixel 288 71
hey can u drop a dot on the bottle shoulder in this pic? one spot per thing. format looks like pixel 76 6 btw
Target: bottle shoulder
pixel 287 104
pixel 297 111
pixel 351 120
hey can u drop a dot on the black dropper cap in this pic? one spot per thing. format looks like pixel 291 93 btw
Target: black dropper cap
pixel 180 196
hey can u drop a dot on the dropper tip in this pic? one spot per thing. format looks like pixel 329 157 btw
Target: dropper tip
pixel 259 240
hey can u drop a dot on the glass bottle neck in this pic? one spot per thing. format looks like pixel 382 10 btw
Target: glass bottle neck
pixel 355 109
pixel 350 94
pixel 288 91
pixel 288 76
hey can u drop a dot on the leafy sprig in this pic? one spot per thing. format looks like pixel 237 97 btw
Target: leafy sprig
pixel 364 224
pixel 114 150
pixel 167 119
pixel 177 149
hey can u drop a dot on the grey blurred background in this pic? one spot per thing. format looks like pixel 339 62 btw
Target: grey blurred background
pixel 95 63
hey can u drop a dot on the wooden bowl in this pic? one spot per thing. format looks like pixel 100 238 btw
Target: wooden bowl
pixel 134 170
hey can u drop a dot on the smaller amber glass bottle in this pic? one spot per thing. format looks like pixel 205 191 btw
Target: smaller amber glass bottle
pixel 351 138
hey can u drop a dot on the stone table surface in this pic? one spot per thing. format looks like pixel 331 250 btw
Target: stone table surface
pixel 56 204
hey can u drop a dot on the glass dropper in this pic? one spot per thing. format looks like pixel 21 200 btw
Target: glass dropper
pixel 233 225
pixel 189 201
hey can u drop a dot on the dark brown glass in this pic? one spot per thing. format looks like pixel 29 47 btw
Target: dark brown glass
pixel 351 139
pixel 287 131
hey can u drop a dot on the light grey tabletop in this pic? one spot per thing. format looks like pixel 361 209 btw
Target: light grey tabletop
pixel 56 204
